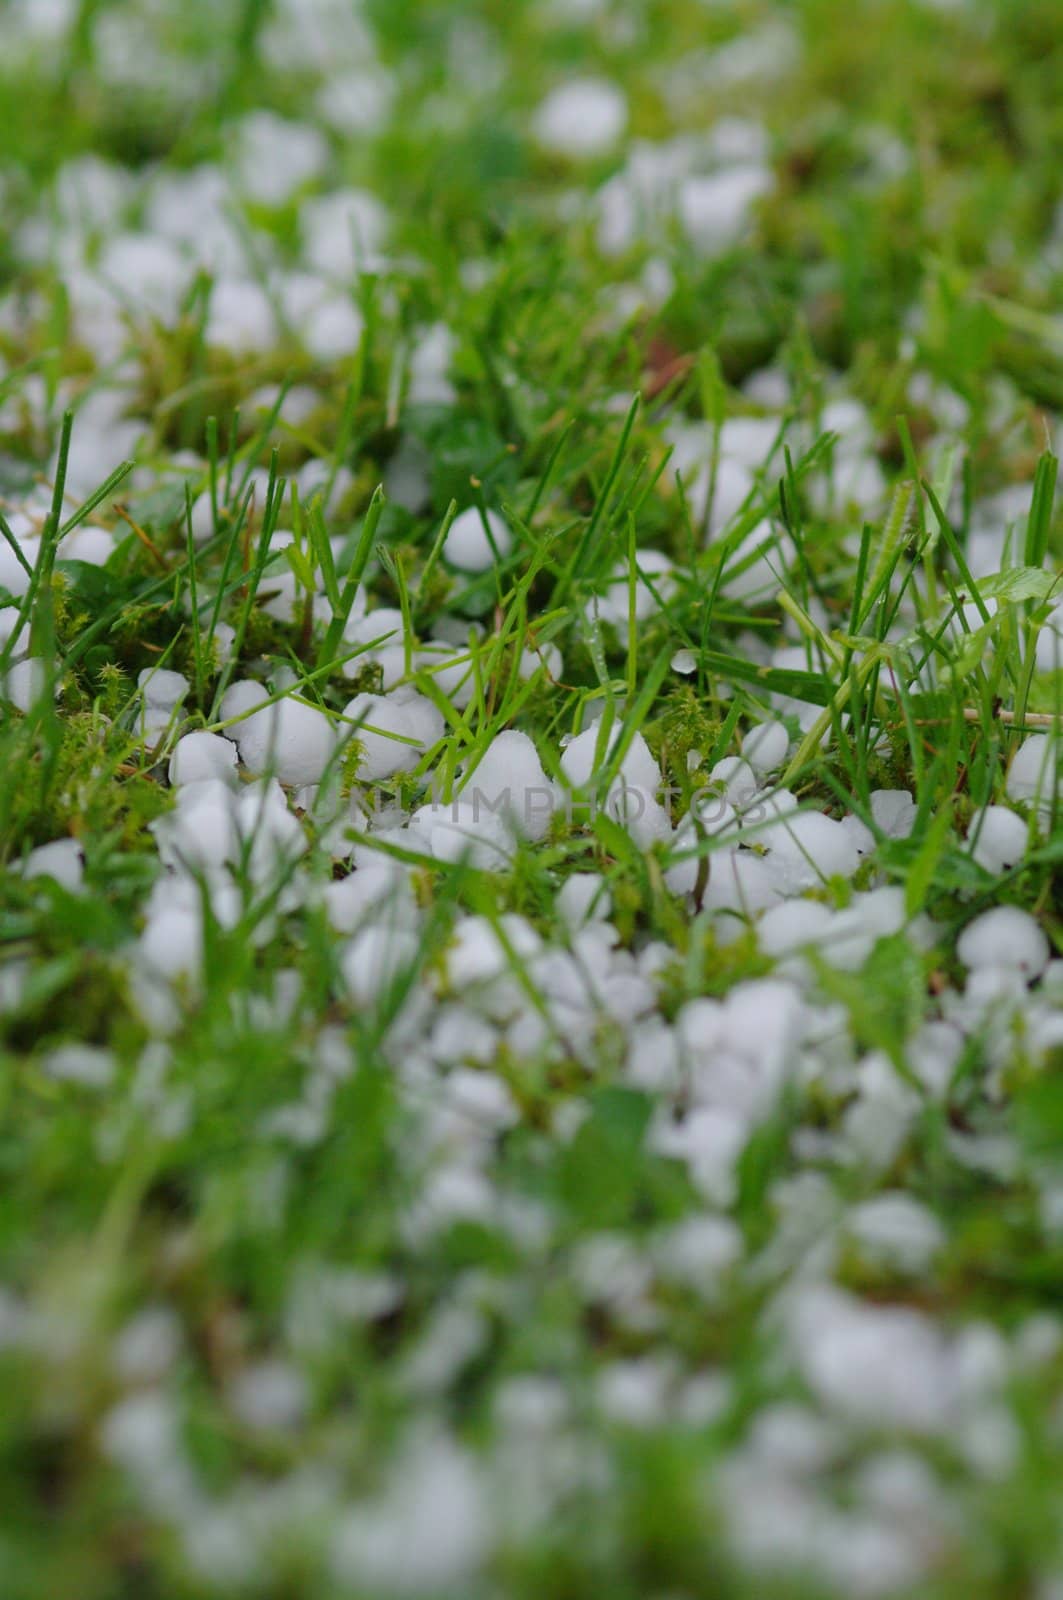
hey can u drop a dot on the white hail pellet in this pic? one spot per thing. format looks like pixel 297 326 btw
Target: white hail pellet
pixel 376 959
pixel 582 119
pixel 467 545
pixel 476 954
pixel 62 861
pixel 394 731
pixel 997 838
pixel 893 811
pixel 1032 775
pixel 896 1229
pixel 161 688
pixel 794 925
pixel 381 633
pixel 240 316
pixel 714 210
pixel 808 848
pixel 1006 939
pixel 508 782
pixel 737 780
pixel 292 741
pixel 23 683
pixel 342 232
pixel 584 897
pixel 654 580
pixel 201 755
pixel 765 747
pixel 200 832
pixel 276 156
pixel 464 831
pixel 89 544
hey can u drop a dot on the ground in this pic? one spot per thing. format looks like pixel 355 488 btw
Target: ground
pixel 531 998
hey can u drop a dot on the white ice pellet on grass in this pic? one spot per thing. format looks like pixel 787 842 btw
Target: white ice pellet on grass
pixel 91 545
pixel 740 882
pixel 275 156
pixel 710 1140
pixel 427 1531
pixel 652 1060
pixel 290 740
pixel 451 668
pixel 429 367
pixel 193 207
pixel 582 119
pixel 860 835
pixel 740 1051
pixel 381 635
pixel 89 1065
pixel 147 1345
pixel 142 1435
pixel 634 1393
pixel 736 780
pixel 378 893
pixel 203 517
pixel 477 952
pixel 878 1366
pixel 24 683
pixel 793 926
pixel 465 830
pixel 272 837
pixel 269 1397
pixel 355 102
pixel 697 1252
pixel 162 688
pixel 583 897
pixel 468 544
pixel 200 756
pixel 201 831
pixel 997 839
pixel 896 1231
pixel 148 273
pixel 377 959
pixel 1032 776
pixel 765 747
pixel 1005 939
pixel 393 731
pixel 326 322
pixel 631 799
pixel 715 209
pixel 240 316
pixel 508 783
pixel 540 657
pixel 893 811
pixel 460 1034
pixel 806 849
pixel 343 233
pixel 869 917
pixel 653 585
pixel 711 817
pixel 13 575
pixel 62 860
pixel 791 1438
pixel 529 1404
pixel 171 944
pixel 280 594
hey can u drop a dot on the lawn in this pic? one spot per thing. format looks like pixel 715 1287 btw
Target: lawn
pixel 531 664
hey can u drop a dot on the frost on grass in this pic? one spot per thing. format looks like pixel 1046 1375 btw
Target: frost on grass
pixel 530 996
